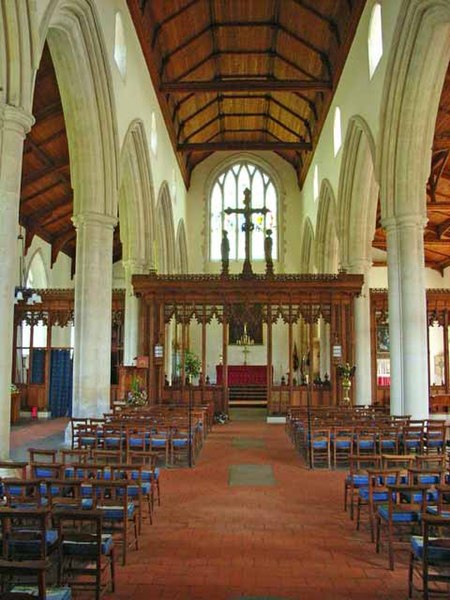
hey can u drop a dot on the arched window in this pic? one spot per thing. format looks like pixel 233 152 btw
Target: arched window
pixel 120 48
pixel 375 39
pixel 153 134
pixel 228 191
pixel 316 183
pixel 337 131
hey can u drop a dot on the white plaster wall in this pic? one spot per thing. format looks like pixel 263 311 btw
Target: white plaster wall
pixel 355 95
pixel 288 218
pixel 59 275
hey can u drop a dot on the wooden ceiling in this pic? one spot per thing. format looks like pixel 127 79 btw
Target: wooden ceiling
pixel 46 201
pixel 255 59
pixel 245 75
pixel 437 231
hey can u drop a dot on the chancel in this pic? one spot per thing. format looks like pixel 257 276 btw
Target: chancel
pixel 225 247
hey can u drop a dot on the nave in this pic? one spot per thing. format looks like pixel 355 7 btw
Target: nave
pixel 281 534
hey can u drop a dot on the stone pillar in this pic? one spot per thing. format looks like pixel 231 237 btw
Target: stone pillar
pixel 93 294
pixel 131 329
pixel 363 373
pixel 407 316
pixel 14 125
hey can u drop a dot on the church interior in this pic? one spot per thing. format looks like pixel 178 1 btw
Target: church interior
pixel 225 299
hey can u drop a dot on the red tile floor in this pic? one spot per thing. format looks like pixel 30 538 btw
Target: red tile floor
pixel 291 540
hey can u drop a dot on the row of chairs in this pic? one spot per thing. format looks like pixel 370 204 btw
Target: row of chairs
pixel 332 445
pixel 406 499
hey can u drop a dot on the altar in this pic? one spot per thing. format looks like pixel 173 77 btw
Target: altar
pixel 243 374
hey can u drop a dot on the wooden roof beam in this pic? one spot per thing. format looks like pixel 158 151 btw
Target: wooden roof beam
pixel 49 170
pixel 169 18
pixel 239 145
pixel 328 20
pixel 246 85
pixel 321 53
pixel 59 244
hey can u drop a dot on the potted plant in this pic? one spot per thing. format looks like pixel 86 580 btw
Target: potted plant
pixel 192 365
pixel 137 396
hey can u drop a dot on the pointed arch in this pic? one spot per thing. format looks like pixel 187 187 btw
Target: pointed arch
pixel 327 243
pixel 36 275
pixel 78 51
pixel 358 193
pixel 165 231
pixel 19 53
pixel 414 80
pixel 307 251
pixel 136 196
pixel 181 249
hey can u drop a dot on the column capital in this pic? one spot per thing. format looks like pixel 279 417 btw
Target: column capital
pixel 17 118
pixel 93 218
pixel 417 220
pixel 360 265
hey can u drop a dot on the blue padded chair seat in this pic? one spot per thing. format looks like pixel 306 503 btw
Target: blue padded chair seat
pixel 435 555
pixel 112 442
pixel 377 496
pixel 158 443
pixel 44 472
pixel 133 490
pixel 146 475
pixel 409 516
pixel 343 444
pixel 432 496
pixel 319 445
pixel 358 480
pixel 433 510
pixel 87 503
pixel 366 444
pixel 435 443
pixel 114 513
pixel 32 545
pixel 182 442
pixel 88 548
pixel 70 473
pixel 61 593
pixel 88 441
pixel 412 443
pixel 387 444
pixel 137 442
pixel 54 489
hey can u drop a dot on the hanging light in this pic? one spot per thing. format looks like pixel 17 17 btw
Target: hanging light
pixel 23 293
pixel 245 339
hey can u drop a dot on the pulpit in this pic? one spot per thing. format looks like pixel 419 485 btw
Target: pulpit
pixel 243 375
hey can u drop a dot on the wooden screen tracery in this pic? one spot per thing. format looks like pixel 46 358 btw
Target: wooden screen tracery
pixel 291 298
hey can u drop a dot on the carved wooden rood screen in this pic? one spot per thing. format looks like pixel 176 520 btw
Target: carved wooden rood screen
pixel 202 298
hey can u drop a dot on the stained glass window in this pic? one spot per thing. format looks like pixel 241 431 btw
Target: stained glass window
pixel 228 191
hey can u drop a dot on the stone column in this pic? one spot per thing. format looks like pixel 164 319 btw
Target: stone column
pixel 407 315
pixel 93 293
pixel 363 373
pixel 131 329
pixel 14 125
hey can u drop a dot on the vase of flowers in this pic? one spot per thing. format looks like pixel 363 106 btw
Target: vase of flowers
pixel 137 396
pixel 192 365
pixel 346 372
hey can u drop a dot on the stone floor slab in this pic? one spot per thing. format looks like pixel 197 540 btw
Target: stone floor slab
pixel 243 443
pixel 250 475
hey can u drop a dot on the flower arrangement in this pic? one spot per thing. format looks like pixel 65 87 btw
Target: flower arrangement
pixel 137 396
pixel 192 364
pixel 346 372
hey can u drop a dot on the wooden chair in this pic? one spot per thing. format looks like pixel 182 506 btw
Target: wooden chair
pixel 37 569
pixel 86 554
pixel 39 455
pixel 343 438
pixel 22 493
pixel 26 534
pixel 320 446
pixel 119 514
pixel 150 472
pixel 413 438
pixel 429 562
pixel 358 477
pixel 404 511
pixel 75 456
pixel 376 493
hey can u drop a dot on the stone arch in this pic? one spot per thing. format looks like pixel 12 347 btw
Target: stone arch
pixel 136 197
pixel 165 231
pixel 327 242
pixel 37 263
pixel 358 194
pixel 19 53
pixel 181 249
pixel 307 251
pixel 414 80
pixel 78 51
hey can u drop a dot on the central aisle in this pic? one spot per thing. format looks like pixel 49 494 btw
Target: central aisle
pixel 282 535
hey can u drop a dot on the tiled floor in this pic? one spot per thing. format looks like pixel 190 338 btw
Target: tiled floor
pixel 291 540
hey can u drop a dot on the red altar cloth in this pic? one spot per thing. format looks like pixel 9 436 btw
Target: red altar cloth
pixel 243 374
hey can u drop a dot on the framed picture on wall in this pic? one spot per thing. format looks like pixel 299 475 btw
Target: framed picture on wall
pixel 383 342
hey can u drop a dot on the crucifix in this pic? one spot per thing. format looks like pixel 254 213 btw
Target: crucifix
pixel 247 226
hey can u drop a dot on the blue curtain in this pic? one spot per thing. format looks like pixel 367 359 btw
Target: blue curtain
pixel 60 394
pixel 38 365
